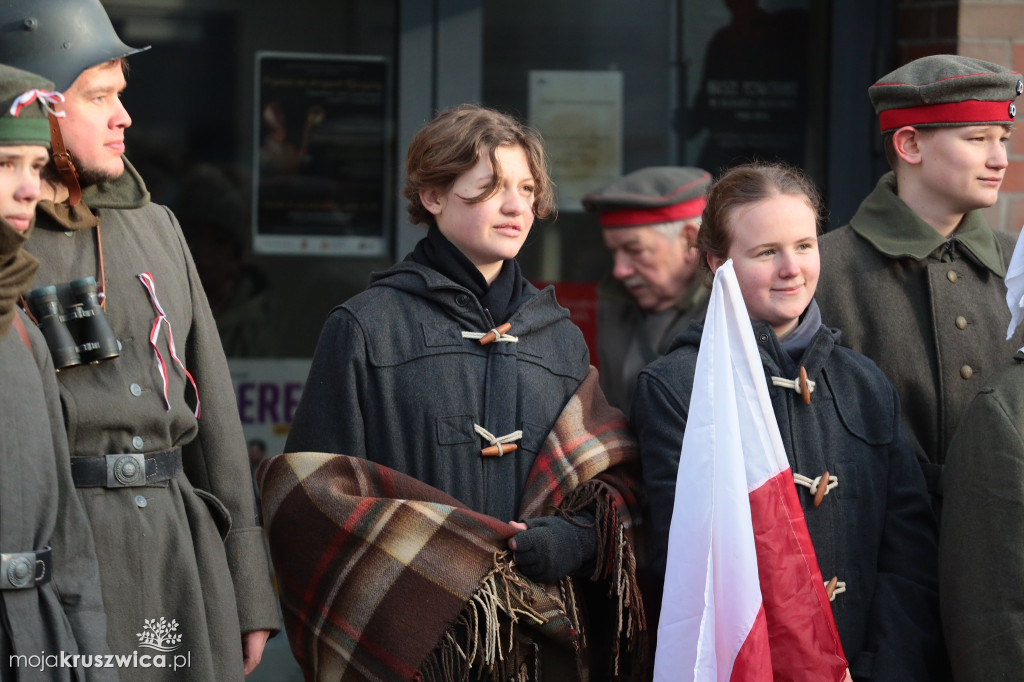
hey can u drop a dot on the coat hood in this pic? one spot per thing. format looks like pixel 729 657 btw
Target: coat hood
pixel 432 287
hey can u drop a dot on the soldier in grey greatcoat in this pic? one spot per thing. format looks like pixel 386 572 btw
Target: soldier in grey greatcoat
pixel 982 544
pixel 157 451
pixel 49 580
pixel 650 220
pixel 915 281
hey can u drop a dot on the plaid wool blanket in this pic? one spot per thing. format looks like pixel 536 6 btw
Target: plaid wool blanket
pixel 383 577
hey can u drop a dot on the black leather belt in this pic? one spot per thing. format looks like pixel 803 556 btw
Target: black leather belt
pixel 22 570
pixel 126 470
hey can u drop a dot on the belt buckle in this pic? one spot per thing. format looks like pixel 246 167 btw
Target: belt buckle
pixel 18 569
pixel 126 470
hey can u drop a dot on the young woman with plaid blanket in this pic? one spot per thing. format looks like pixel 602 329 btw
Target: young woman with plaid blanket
pixel 457 500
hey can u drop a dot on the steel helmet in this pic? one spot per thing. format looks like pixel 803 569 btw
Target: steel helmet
pixel 58 39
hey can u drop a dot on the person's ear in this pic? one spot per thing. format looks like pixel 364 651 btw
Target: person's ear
pixel 688 240
pixel 906 142
pixel 715 262
pixel 432 200
pixel 689 233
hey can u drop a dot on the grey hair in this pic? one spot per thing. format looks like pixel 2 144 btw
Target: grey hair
pixel 673 229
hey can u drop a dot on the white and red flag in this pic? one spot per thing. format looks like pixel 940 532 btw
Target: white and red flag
pixel 744 598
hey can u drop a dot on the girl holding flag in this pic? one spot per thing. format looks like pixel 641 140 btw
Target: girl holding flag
pixel 861 490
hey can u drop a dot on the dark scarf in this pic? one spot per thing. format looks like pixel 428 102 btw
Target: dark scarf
pixel 504 295
pixel 797 341
pixel 17 268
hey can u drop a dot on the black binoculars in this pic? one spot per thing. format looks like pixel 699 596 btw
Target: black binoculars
pixel 76 336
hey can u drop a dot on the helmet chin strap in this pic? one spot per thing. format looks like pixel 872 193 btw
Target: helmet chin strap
pixel 62 159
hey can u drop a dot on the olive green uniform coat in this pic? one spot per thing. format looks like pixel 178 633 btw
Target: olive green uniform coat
pixel 191 551
pixel 38 509
pixel 928 311
pixel 629 338
pixel 981 550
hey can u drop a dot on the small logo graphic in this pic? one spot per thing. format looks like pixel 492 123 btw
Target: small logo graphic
pixel 159 634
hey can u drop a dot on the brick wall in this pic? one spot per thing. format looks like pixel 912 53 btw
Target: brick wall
pixel 994 30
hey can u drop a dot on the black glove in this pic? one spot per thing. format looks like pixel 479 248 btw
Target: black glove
pixel 552 547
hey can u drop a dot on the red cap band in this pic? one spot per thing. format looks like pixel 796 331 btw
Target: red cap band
pixel 631 217
pixel 966 112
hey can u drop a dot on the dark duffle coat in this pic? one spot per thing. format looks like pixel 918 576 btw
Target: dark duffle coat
pixel 190 551
pixel 875 531
pixel 39 509
pixel 982 547
pixel 929 312
pixel 629 338
pixel 393 380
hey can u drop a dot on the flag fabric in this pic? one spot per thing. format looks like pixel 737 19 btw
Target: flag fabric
pixel 744 597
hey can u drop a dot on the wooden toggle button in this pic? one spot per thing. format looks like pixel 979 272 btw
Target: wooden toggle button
pixel 805 389
pixel 493 451
pixel 491 337
pixel 822 487
pixel 830 589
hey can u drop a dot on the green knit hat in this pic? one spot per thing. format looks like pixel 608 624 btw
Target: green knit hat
pixel 24 98
pixel 946 90
pixel 649 196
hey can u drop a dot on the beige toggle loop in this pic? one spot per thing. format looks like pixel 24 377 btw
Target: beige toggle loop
pixel 814 485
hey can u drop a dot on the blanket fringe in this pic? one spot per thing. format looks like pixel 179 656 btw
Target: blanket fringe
pixel 488 639
pixel 485 639
pixel 617 565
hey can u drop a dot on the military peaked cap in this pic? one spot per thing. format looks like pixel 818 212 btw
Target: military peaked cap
pixel 24 98
pixel 650 196
pixel 946 90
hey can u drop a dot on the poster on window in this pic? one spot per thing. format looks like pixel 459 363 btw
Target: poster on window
pixel 579 113
pixel 322 147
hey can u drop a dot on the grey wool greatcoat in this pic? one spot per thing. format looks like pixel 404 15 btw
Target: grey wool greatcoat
pixel 875 531
pixel 393 380
pixel 928 311
pixel 189 551
pixel 982 542
pixel 629 338
pixel 39 509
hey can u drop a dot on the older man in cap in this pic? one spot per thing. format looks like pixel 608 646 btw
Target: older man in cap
pixel 157 451
pixel 650 220
pixel 915 281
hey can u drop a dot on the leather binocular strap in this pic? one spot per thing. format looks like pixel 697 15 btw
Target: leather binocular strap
pixel 65 164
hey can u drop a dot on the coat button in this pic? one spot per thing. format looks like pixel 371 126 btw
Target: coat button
pixel 136 390
pixel 462 300
pixel 961 322
pixel 137 442
pixel 966 371
pixel 951 276
pixel 141 501
pixel 763 338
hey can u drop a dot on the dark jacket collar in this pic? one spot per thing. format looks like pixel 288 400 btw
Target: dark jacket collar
pixel 501 297
pixel 537 310
pixel 773 357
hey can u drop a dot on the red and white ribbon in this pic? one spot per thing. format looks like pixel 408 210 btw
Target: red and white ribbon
pixel 154 334
pixel 45 97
